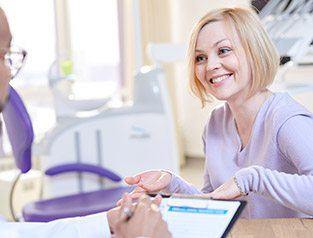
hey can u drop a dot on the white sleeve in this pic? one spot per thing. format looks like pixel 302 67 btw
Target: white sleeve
pixel 92 226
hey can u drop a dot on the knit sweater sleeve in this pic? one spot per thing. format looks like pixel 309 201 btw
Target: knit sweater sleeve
pixel 179 185
pixel 295 142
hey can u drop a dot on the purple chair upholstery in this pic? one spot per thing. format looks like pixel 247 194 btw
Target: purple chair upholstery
pixel 73 205
pixel 20 132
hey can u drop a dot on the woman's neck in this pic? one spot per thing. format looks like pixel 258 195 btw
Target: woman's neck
pixel 245 111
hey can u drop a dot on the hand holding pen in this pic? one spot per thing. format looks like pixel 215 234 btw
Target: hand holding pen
pixel 141 220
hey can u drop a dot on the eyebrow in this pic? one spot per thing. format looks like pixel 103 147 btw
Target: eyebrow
pixel 215 44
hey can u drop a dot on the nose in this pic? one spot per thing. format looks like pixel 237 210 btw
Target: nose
pixel 213 63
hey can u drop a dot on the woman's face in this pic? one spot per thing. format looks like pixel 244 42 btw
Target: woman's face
pixel 222 69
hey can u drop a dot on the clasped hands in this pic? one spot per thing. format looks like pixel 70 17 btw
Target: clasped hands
pixel 142 219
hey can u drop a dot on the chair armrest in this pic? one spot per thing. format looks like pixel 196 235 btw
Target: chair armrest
pixel 82 167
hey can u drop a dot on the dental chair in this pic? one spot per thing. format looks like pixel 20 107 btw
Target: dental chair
pixel 289 24
pixel 128 138
pixel 20 133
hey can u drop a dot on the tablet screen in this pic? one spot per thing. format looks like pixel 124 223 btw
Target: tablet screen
pixel 196 217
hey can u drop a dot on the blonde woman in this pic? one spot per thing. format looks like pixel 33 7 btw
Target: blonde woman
pixel 259 144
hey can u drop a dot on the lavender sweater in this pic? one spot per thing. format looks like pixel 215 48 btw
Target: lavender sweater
pixel 275 167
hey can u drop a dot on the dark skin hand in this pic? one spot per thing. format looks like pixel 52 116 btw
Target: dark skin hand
pixel 146 220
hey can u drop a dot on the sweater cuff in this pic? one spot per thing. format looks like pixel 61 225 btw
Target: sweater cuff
pixel 173 186
pixel 248 179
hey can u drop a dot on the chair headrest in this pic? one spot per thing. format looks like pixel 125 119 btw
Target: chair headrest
pixel 19 129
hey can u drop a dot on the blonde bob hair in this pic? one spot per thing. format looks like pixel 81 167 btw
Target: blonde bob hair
pixel 261 53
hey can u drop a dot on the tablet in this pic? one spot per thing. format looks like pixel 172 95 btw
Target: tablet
pixel 200 217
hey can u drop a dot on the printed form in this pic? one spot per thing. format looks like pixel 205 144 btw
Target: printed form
pixel 194 217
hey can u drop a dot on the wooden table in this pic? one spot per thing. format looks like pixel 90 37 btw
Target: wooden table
pixel 276 228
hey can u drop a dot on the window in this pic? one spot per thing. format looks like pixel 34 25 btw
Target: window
pixel 32 26
pixel 93 36
pixel 94 42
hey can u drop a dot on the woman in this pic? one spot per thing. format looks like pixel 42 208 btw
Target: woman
pixel 258 144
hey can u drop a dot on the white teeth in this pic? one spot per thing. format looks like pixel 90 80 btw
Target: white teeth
pixel 219 79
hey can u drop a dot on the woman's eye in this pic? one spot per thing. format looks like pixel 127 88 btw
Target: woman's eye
pixel 200 58
pixel 224 50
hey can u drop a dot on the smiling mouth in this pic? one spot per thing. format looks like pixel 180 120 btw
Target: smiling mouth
pixel 220 78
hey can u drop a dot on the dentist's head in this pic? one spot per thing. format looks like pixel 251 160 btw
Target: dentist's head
pixel 11 59
pixel 5 74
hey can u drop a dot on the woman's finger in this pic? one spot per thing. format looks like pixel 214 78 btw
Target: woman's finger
pixel 132 180
pixel 214 195
pixel 138 190
pixel 119 202
pixel 135 196
pixel 136 193
pixel 157 199
pixel 156 184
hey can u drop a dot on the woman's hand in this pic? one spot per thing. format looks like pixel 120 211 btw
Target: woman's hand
pixel 145 220
pixel 148 181
pixel 228 190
